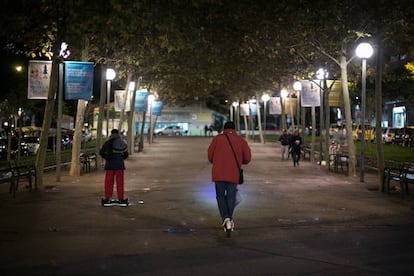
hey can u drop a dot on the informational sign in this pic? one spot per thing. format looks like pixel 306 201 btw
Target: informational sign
pixel 141 100
pixel 78 81
pixel 253 108
pixel 244 109
pixel 310 94
pixel 39 79
pixel 275 107
pixel 122 101
pixel 156 108
pixel 335 93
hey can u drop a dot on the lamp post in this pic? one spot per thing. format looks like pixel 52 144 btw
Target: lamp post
pixel 265 99
pixel 110 75
pixel 236 115
pixel 283 95
pixel 131 91
pixel 231 113
pixel 19 146
pixel 321 75
pixel 363 51
pixel 297 86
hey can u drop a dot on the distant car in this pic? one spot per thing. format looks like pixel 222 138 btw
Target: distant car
pixel 32 144
pixel 399 136
pixel 403 136
pixel 14 147
pixel 388 135
pixel 170 131
pixel 67 141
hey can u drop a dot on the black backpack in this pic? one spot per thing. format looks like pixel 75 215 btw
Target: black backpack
pixel 106 150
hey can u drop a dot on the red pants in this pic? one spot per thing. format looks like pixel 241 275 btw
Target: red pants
pixel 110 177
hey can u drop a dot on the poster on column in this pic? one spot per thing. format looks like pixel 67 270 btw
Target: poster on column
pixel 253 108
pixel 275 108
pixel 38 79
pixel 335 94
pixel 157 108
pixel 122 101
pixel 310 93
pixel 244 109
pixel 78 80
pixel 141 100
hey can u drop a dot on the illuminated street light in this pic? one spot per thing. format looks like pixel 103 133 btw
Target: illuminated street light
pixel 19 146
pixel 322 75
pixel 363 51
pixel 283 94
pixel 265 99
pixel 110 75
pixel 236 115
pixel 297 86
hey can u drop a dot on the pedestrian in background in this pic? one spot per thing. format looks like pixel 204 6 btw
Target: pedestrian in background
pixel 225 170
pixel 114 151
pixel 285 142
pixel 296 143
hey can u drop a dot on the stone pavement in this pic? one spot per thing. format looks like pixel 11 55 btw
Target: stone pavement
pixel 292 221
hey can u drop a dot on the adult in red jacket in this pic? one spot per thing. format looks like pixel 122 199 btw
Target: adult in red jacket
pixel 225 172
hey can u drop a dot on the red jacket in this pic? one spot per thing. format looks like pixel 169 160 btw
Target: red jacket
pixel 222 158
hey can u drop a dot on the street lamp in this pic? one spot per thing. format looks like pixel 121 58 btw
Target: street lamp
pixel 363 51
pixel 236 115
pixel 19 146
pixel 110 75
pixel 321 75
pixel 297 86
pixel 265 99
pixel 283 94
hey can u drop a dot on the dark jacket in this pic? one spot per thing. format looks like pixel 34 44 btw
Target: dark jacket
pixel 296 143
pixel 119 153
pixel 222 158
pixel 284 139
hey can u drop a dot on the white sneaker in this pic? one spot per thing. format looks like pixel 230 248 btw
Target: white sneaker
pixel 226 224
pixel 232 225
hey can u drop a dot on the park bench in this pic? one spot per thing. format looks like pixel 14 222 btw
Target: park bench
pixel 403 176
pixel 306 151
pixel 87 159
pixel 9 176
pixel 24 171
pixel 338 158
pixel 339 162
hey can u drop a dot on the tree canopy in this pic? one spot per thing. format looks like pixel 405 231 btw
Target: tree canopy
pixel 209 49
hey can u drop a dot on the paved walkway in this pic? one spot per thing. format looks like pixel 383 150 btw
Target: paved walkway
pixel 292 221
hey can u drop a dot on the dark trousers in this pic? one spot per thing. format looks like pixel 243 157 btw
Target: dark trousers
pixel 226 198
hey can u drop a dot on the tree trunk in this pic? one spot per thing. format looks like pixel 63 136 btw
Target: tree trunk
pixel 141 135
pixel 259 119
pixel 326 92
pixel 378 115
pixel 47 120
pixel 77 139
pixel 246 128
pixel 101 116
pixel 122 114
pixel 313 111
pixel 348 117
pixel 80 115
pixel 131 125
